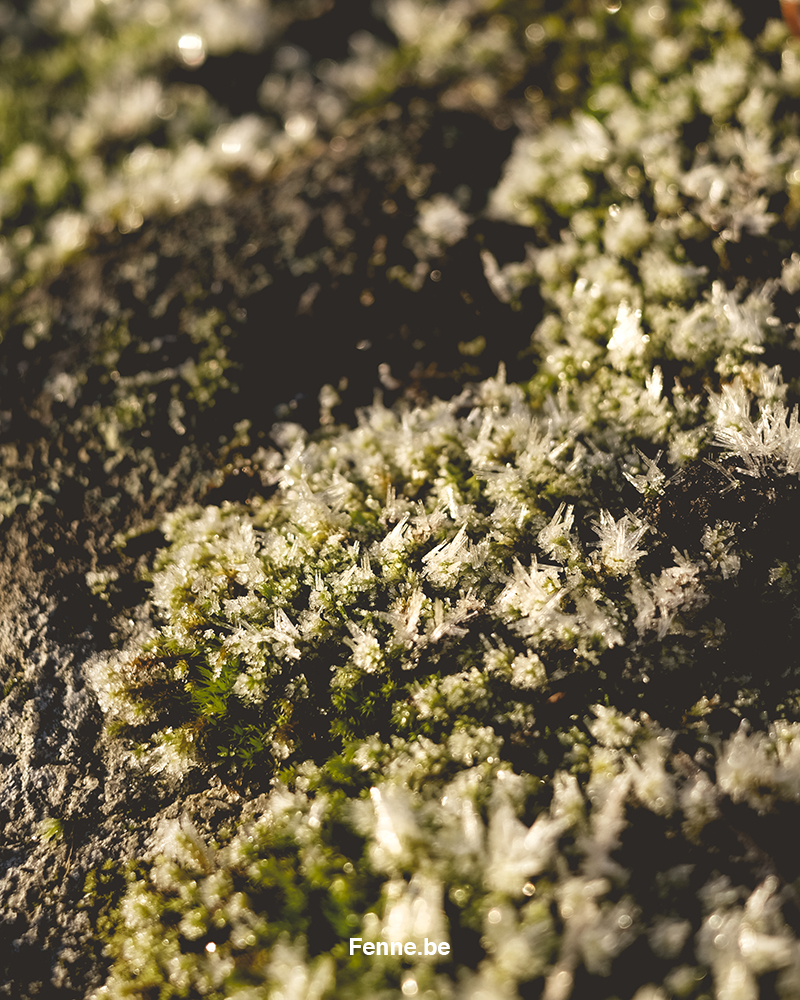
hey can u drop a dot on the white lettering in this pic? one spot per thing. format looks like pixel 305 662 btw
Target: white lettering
pixel 399 948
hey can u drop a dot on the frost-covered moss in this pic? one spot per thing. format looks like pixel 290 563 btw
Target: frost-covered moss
pixel 514 670
pixel 569 897
pixel 659 202
pixel 425 568
pixel 314 615
pixel 100 131
pixel 118 112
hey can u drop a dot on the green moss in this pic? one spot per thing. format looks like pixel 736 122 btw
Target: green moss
pixel 103 890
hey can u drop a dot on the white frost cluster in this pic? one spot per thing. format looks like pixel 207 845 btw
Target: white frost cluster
pixel 135 146
pixel 618 541
pixel 774 437
pixel 627 230
pixel 442 220
pixel 627 342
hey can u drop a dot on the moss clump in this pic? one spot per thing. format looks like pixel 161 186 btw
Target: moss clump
pixel 395 581
pixel 311 616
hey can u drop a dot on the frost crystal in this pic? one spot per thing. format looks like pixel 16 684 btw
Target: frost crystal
pixel 618 543
pixel 773 437
pixel 627 342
